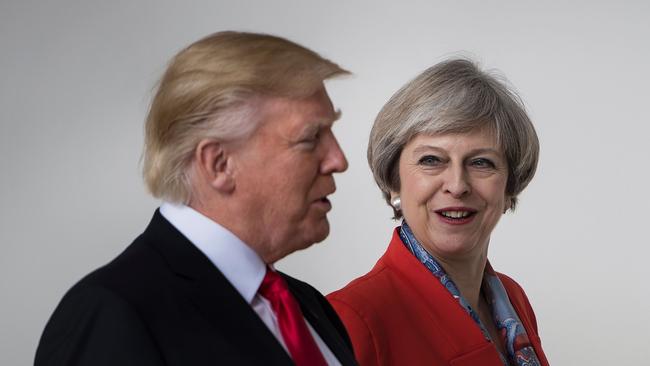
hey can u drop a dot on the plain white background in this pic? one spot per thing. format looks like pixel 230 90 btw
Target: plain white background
pixel 76 78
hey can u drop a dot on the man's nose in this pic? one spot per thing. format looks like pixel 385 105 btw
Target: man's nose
pixel 335 161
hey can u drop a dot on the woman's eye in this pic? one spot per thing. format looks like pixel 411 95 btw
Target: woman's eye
pixel 429 160
pixel 483 163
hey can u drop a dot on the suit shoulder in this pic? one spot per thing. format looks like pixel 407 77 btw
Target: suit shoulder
pixel 138 277
pixel 298 284
pixel 93 325
pixel 136 267
pixel 313 298
pixel 307 291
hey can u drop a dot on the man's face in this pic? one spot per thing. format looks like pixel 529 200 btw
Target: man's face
pixel 283 175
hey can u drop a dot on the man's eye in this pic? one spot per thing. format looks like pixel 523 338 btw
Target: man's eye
pixel 310 142
pixel 429 160
pixel 482 163
pixel 312 138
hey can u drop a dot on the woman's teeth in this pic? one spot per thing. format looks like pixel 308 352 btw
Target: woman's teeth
pixel 455 214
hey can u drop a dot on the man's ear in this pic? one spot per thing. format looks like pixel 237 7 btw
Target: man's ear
pixel 508 203
pixel 214 165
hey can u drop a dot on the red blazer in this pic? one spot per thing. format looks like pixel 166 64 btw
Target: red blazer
pixel 397 314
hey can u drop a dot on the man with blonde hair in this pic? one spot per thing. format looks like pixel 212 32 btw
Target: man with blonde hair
pixel 239 146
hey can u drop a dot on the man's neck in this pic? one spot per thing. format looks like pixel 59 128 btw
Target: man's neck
pixel 231 219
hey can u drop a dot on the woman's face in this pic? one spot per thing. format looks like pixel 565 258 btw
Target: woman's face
pixel 453 191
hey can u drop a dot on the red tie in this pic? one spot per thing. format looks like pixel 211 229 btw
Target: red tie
pixel 299 341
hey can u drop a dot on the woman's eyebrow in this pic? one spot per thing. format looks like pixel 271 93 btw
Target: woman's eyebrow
pixel 481 150
pixel 484 150
pixel 425 148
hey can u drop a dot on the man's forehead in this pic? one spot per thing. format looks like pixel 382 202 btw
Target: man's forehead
pixel 313 110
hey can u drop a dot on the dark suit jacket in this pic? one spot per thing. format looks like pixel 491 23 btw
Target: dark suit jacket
pixel 162 302
pixel 399 314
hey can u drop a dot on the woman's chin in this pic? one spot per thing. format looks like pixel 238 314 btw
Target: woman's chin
pixel 454 246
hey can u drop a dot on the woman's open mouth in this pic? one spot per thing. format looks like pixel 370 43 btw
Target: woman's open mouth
pixel 456 216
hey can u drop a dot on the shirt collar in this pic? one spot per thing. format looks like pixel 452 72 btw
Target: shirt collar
pixel 240 264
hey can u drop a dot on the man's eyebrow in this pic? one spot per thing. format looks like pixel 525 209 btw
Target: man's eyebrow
pixel 337 115
pixel 327 122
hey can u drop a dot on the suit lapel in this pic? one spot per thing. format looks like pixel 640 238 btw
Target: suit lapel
pixel 312 310
pixel 232 316
pixel 214 297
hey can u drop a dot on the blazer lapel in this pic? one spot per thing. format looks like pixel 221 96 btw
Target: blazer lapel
pixel 215 298
pixel 464 336
pixel 312 310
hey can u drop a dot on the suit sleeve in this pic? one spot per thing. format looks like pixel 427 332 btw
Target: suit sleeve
pixel 362 338
pixel 92 326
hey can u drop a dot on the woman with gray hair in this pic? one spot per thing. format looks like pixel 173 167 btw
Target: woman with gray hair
pixel 450 151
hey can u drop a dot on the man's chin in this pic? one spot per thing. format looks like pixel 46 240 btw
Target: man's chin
pixel 316 233
pixel 322 231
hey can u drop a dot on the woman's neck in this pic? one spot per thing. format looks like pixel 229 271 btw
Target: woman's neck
pixel 467 274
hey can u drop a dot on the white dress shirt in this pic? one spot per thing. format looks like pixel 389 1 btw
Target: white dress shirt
pixel 241 266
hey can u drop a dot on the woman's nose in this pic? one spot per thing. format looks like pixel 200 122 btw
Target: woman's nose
pixel 456 182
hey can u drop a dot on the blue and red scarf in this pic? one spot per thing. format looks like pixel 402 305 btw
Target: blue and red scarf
pixel 520 351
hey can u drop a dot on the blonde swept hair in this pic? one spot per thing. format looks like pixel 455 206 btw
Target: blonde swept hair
pixel 209 90
pixel 454 96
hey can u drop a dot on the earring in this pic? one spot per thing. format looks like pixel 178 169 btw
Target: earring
pixel 396 202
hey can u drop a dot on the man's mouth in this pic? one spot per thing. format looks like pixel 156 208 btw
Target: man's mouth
pixel 323 204
pixel 324 198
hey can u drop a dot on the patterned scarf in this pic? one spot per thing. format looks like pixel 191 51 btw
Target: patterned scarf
pixel 520 351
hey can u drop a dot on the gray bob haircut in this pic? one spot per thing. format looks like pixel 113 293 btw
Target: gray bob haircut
pixel 212 89
pixel 453 96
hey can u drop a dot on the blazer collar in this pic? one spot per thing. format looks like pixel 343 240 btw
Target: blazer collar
pixel 213 296
pixel 466 335
pixel 319 320
pixel 236 260
pixel 224 307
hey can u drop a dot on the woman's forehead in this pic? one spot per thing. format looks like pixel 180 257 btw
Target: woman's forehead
pixel 484 136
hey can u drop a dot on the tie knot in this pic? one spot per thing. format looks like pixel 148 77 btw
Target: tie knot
pixel 273 284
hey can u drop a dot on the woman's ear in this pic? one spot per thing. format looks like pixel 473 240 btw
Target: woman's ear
pixel 215 165
pixel 395 200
